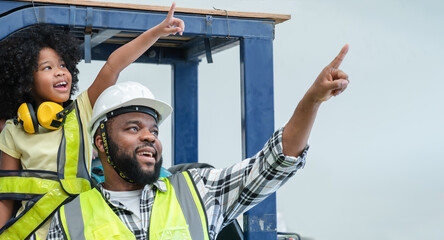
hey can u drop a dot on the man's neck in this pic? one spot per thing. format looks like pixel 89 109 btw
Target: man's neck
pixel 121 185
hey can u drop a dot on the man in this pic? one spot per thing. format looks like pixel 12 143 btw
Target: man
pixel 134 203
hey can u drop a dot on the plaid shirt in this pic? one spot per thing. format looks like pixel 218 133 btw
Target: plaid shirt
pixel 226 193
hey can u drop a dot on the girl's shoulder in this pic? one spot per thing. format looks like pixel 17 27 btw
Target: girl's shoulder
pixel 12 128
pixel 10 123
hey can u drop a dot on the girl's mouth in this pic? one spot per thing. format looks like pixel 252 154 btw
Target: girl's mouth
pixel 61 85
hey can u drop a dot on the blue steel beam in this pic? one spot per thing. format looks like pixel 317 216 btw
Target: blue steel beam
pixel 258 125
pixel 8 6
pixel 132 20
pixel 154 55
pixel 168 55
pixel 185 142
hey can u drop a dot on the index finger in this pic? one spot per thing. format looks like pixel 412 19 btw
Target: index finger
pixel 171 11
pixel 338 59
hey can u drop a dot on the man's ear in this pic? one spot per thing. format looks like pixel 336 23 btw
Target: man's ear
pixel 98 141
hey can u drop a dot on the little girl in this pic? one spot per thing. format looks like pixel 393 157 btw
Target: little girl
pixel 46 164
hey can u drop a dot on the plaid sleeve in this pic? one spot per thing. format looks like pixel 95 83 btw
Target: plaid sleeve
pixel 227 193
pixel 55 229
pixel 273 151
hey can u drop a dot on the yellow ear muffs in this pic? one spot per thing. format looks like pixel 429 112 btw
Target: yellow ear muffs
pixel 26 116
pixel 47 115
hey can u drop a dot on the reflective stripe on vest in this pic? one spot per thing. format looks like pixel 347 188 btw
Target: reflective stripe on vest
pixel 96 221
pixel 73 179
pixel 35 216
pixel 71 163
pixel 178 213
pixel 27 185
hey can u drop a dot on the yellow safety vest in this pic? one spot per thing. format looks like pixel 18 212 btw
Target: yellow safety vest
pixel 49 189
pixel 97 220
pixel 177 214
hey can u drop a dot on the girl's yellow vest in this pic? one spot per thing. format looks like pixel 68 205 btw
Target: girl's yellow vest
pixel 51 189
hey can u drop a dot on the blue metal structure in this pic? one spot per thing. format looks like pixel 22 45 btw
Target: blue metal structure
pixel 258 124
pixel 103 28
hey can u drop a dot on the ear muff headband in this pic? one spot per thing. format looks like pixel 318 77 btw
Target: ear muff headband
pixel 26 116
pixel 49 115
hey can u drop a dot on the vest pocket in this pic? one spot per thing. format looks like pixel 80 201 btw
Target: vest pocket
pixel 174 233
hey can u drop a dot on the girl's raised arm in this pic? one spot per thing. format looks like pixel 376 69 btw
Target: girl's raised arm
pixel 129 53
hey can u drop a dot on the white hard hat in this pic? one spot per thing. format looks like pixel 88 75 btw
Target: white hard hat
pixel 122 95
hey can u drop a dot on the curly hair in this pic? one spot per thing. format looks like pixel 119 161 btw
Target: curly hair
pixel 19 54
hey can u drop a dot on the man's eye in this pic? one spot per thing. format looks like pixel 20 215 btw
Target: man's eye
pixel 133 129
pixel 155 133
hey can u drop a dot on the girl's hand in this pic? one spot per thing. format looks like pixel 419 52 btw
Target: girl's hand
pixel 171 25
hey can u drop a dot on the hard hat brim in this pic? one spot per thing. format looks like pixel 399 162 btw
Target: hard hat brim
pixel 162 108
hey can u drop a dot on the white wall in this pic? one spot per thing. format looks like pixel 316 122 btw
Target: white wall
pixel 375 166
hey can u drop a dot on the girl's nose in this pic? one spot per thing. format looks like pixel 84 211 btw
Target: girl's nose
pixel 60 72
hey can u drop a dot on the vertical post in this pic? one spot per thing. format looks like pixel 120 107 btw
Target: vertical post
pixel 258 125
pixel 185 144
pixel 88 33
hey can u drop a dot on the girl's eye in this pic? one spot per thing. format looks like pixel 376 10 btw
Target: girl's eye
pixel 62 65
pixel 47 68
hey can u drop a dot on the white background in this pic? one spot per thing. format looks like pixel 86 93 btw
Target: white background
pixel 375 167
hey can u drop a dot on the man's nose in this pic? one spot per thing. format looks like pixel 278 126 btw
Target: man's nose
pixel 148 136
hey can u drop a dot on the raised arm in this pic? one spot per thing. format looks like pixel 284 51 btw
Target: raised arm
pixel 330 82
pixel 129 53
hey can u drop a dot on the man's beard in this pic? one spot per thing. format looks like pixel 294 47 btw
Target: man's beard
pixel 130 167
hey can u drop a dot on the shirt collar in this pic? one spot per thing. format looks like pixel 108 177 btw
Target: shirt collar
pixel 159 184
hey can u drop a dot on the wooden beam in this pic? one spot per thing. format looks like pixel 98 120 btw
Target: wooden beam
pixel 278 18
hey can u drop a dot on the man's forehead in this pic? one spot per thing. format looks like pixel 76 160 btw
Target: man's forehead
pixel 135 117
